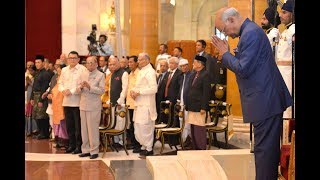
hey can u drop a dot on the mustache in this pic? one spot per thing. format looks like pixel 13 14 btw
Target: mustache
pixel 265 26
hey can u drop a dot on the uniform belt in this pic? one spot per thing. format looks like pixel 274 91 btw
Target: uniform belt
pixel 284 63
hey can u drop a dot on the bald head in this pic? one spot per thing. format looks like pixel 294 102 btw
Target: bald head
pixel 229 21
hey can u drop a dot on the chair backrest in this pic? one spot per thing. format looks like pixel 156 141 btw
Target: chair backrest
pixel 219 109
pixel 106 114
pixel 123 114
pixel 179 112
pixel 165 115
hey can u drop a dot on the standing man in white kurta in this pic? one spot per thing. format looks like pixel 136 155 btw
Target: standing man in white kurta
pixel 284 52
pixel 91 87
pixel 145 112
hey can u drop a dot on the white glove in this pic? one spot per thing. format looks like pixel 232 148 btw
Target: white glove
pixel 274 33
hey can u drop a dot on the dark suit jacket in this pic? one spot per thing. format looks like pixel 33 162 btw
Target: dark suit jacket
pixel 263 92
pixel 217 72
pixel 173 88
pixel 184 88
pixel 160 93
pixel 198 94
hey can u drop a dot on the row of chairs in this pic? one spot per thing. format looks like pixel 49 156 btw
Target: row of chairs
pixel 218 111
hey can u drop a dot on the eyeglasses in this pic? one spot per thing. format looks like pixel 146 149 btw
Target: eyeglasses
pixel 73 58
pixel 90 63
pixel 223 33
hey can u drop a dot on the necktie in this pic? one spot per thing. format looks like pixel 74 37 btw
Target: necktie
pixel 160 78
pixel 182 89
pixel 194 80
pixel 167 85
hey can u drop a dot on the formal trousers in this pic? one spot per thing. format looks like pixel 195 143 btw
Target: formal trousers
pixel 267 147
pixel 72 117
pixel 198 137
pixel 90 121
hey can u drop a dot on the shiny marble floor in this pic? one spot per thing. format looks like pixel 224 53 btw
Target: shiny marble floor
pixel 43 161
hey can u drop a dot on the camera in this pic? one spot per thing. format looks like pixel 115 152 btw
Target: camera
pixel 92 47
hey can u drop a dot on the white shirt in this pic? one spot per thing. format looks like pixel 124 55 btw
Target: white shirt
pixel 160 56
pixel 107 49
pixel 70 78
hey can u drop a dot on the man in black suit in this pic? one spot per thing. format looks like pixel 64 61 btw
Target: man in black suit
pixel 183 92
pixel 171 92
pixel 198 102
pixel 161 85
pixel 103 64
pixel 217 72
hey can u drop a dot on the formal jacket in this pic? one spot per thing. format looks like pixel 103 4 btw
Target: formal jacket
pixel 90 100
pixel 173 88
pixel 263 92
pixel 145 105
pixel 184 87
pixel 198 94
pixel 217 72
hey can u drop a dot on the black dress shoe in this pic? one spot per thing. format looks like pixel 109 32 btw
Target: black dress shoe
pixel 137 150
pixel 70 150
pixel 84 154
pixel 76 151
pixel 130 146
pixel 93 156
pixel 42 137
pixel 146 153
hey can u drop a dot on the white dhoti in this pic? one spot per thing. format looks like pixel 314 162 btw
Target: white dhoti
pixel 143 127
pixel 187 128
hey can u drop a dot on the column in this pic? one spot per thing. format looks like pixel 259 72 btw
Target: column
pixel 144 27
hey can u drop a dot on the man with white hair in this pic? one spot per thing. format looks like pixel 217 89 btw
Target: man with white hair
pixel 118 92
pixel 145 112
pixel 171 91
pixel 183 82
pixel 91 89
pixel 263 92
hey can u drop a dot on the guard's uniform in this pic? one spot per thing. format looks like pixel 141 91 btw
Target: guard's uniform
pixel 284 60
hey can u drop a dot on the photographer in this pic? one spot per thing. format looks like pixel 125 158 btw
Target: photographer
pixel 93 46
pixel 104 48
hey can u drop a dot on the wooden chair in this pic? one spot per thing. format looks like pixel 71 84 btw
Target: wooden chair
pixel 165 114
pixel 107 133
pixel 178 113
pixel 106 117
pixel 219 110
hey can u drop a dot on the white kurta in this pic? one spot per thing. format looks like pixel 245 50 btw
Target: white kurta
pixel 284 54
pixel 145 112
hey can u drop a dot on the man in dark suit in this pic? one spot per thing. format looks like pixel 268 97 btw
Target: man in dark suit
pixel 171 92
pixel 183 92
pixel 217 72
pixel 263 92
pixel 103 64
pixel 198 103
pixel 161 85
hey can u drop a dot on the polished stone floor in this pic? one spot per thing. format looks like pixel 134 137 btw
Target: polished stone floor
pixel 44 161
